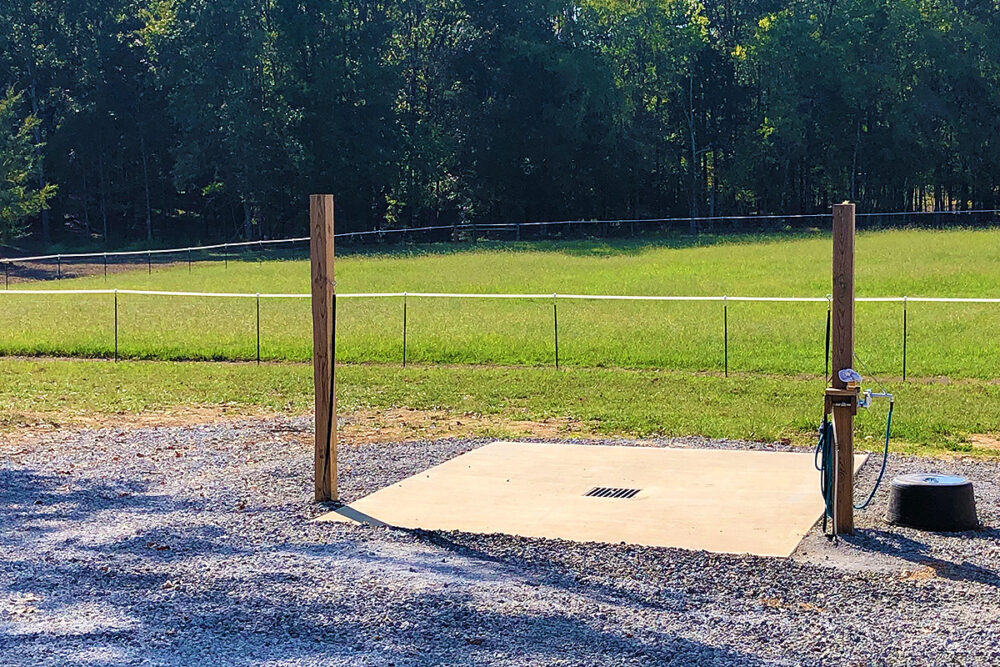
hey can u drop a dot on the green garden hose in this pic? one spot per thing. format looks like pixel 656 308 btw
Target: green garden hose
pixel 823 461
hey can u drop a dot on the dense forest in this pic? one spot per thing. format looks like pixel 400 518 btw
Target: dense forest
pixel 130 121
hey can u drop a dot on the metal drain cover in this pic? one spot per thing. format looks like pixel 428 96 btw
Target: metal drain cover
pixel 611 492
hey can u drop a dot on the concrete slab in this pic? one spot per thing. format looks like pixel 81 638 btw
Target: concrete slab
pixel 731 501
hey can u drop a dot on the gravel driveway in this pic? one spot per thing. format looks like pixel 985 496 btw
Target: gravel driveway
pixel 192 545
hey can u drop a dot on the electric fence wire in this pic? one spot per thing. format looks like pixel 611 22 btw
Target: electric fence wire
pixel 475 227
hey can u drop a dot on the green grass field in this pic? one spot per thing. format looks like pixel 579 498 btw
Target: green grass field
pixel 632 369
pixel 931 417
pixel 954 340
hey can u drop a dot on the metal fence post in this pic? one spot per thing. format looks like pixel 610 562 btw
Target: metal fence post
pixel 904 339
pixel 189 260
pixel 225 254
pixel 149 262
pixel 725 334
pixel 58 266
pixel 404 329
pixel 116 326
pixel 105 267
pixel 6 275
pixel 826 353
pixel 555 326
pixel 258 328
pixel 518 237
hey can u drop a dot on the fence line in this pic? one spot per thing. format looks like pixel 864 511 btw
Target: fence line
pixel 489 295
pixel 471 226
pixel 145 253
pixel 725 299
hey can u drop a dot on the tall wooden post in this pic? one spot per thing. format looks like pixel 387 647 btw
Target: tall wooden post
pixel 324 332
pixel 842 400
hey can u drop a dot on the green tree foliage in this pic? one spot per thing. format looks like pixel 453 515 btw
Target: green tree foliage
pixel 212 119
pixel 20 199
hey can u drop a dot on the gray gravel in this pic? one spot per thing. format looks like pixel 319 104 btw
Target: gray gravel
pixel 192 545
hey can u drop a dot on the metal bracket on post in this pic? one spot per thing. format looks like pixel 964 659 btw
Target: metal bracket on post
pixel 842 398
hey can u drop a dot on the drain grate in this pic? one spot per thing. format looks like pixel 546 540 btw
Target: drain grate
pixel 611 492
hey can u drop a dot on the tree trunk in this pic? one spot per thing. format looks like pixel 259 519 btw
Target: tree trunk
pixel 86 212
pixel 693 166
pixel 104 198
pixel 145 182
pixel 854 162
pixel 32 94
pixel 247 221
pixel 714 193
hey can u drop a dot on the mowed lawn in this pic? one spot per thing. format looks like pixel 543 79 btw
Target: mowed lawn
pixel 954 340
pixel 931 417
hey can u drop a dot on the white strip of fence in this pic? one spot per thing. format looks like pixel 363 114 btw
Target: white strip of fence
pixel 473 295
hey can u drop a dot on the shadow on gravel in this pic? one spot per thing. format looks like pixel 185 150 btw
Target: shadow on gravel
pixel 458 626
pixel 552 574
pixel 31 501
pixel 75 590
pixel 101 572
pixel 911 550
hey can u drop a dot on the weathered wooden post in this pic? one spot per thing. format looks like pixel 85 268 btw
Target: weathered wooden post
pixel 324 332
pixel 842 400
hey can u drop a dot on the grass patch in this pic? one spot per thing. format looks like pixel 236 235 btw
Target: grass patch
pixel 931 417
pixel 612 352
pixel 773 338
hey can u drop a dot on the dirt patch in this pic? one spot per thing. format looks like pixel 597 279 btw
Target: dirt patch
pixel 985 441
pixel 23 426
pixel 24 422
pixel 357 427
pixel 780 603
pixel 51 270
pixel 920 574
pixel 368 426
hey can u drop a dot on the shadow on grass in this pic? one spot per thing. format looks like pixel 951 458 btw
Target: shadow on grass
pixel 586 246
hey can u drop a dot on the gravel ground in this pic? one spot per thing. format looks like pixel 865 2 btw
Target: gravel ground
pixel 192 545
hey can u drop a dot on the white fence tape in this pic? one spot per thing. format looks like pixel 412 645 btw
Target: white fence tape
pixel 473 295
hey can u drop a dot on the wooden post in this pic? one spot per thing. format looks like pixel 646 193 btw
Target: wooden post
pixel 843 401
pixel 324 327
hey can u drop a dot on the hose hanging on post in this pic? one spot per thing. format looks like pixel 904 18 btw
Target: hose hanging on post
pixel 823 461
pixel 885 458
pixel 331 423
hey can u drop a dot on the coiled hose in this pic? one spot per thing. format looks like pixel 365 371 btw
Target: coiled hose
pixel 823 461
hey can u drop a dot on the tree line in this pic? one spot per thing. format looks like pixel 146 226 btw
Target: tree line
pixel 134 121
